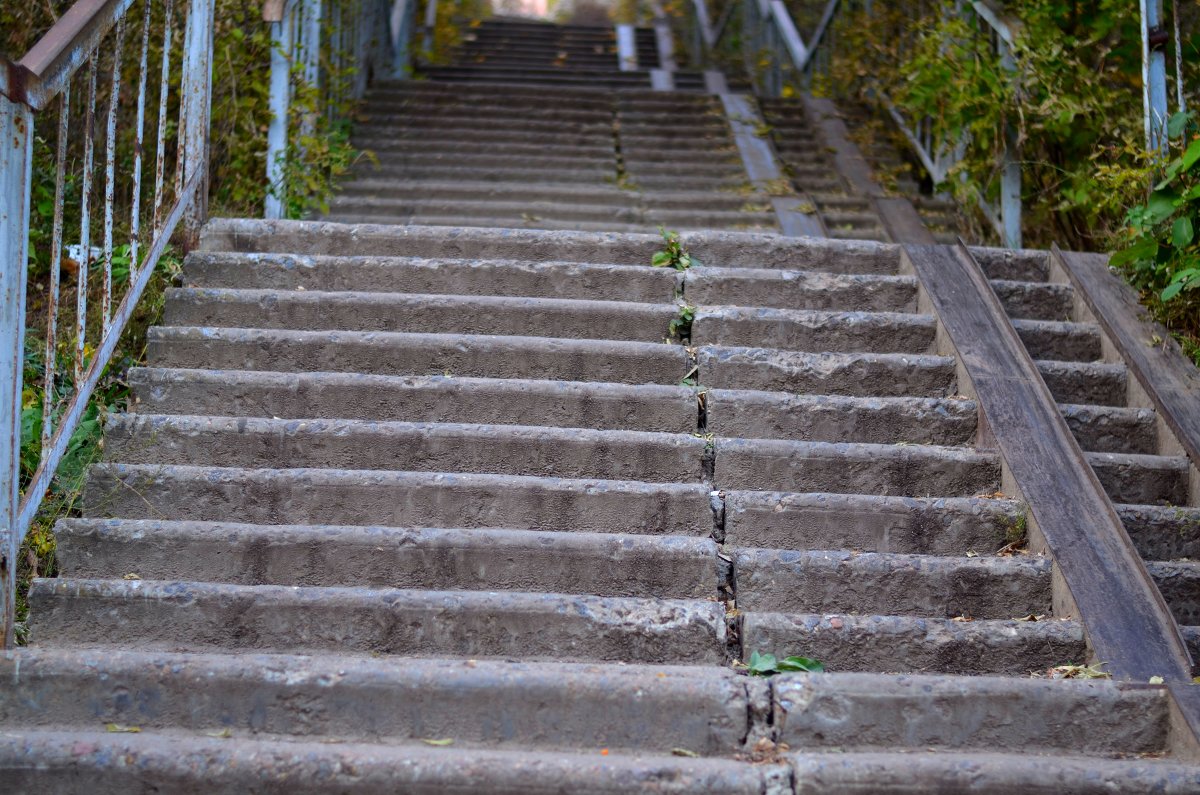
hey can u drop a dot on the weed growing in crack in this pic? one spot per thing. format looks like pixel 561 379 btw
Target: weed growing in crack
pixel 673 254
pixel 680 327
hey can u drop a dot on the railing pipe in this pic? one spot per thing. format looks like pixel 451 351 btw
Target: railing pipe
pixel 1154 76
pixel 16 171
pixel 279 101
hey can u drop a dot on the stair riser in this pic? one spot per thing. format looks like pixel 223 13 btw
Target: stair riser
pixel 909 645
pixel 1092 384
pixel 817 332
pixel 872 524
pixel 1110 430
pixel 1150 481
pixel 494 357
pixel 502 450
pixel 437 399
pixel 382 557
pixel 707 286
pixel 397 500
pixel 777 581
pixel 201 617
pixel 500 705
pixel 445 277
pixel 778 371
pixel 761 415
pixel 1060 341
pixel 402 208
pixel 767 465
pixel 863 712
pixel 1034 301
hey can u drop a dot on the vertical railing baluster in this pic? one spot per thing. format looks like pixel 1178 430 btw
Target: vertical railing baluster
pixel 196 91
pixel 85 223
pixel 160 165
pixel 135 227
pixel 16 171
pixel 282 36
pixel 110 175
pixel 49 389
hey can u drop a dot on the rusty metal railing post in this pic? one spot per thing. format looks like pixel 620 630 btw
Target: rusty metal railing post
pixel 16 171
pixel 197 111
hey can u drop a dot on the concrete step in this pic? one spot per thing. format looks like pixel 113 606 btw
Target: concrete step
pixel 832 418
pixel 381 353
pixel 606 194
pixel 1142 479
pixel 429 125
pixel 886 773
pixel 1023 265
pixel 526 172
pixel 856 712
pixel 1060 341
pixel 723 249
pixel 416 275
pixel 854 468
pixel 486 401
pixel 75 762
pixel 419 447
pixel 157 615
pixel 397 499
pixel 851 374
pixel 782 289
pixel 1092 383
pixel 494 110
pixel 516 95
pixel 486 160
pixel 480 704
pixel 950 526
pixel 478 559
pixel 823 581
pixel 675 218
pixel 1163 532
pixel 619 212
pixel 525 222
pixel 450 137
pixel 385 145
pixel 572 78
pixel 812 330
pixel 424 314
pixel 1109 429
pixel 906 644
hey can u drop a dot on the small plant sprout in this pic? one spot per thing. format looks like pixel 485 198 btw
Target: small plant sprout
pixel 680 327
pixel 672 255
pixel 767 665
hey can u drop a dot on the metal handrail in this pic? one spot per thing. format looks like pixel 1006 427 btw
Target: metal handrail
pixel 73 52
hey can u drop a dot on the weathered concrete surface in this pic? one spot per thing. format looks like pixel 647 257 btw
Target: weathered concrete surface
pixel 836 418
pixel 482 702
pixel 1163 532
pixel 200 616
pixel 438 398
pixel 814 331
pixel 725 249
pixel 823 581
pixel 1060 341
pixel 1109 429
pixel 386 353
pixel 398 499
pixel 1035 300
pixel 905 644
pixel 866 374
pixel 988 774
pixel 783 289
pixel 85 763
pixel 1142 479
pixel 1095 383
pixel 873 712
pixel 637 283
pixel 481 559
pixel 905 525
pixel 413 447
pixel 421 314
pixel 848 468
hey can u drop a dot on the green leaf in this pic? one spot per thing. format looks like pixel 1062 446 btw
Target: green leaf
pixel 1178 123
pixel 1171 290
pixel 438 742
pixel 801 664
pixel 762 664
pixel 1191 156
pixel 1161 206
pixel 1143 248
pixel 1182 232
pixel 660 259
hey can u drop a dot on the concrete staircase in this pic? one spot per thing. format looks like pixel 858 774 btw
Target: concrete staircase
pixel 428 508
pixel 454 512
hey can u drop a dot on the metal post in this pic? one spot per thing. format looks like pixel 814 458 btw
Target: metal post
pixel 1154 75
pixel 626 48
pixel 310 48
pixel 400 20
pixel 428 40
pixel 1010 173
pixel 280 100
pixel 197 103
pixel 16 172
